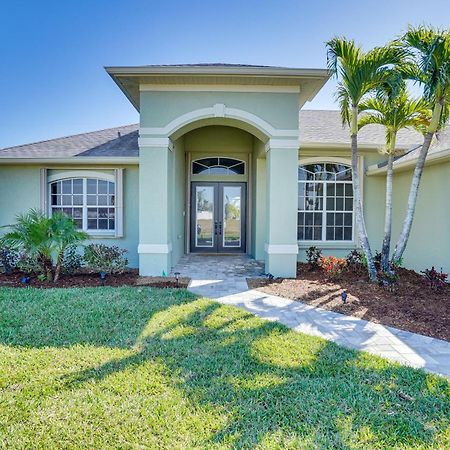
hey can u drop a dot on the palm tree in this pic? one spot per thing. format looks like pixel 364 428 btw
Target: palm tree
pixel 44 239
pixel 30 234
pixel 394 110
pixel 430 66
pixel 359 74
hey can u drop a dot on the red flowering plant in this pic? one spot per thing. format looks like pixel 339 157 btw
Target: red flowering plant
pixel 333 266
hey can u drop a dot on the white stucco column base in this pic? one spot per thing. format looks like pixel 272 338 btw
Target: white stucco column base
pixel 281 246
pixel 281 260
pixel 154 259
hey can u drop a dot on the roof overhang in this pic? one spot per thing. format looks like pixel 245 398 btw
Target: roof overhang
pixel 74 160
pixel 399 165
pixel 307 81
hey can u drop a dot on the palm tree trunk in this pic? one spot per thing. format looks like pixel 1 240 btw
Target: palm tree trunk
pixel 420 164
pixel 360 222
pixel 58 266
pixel 412 198
pixel 386 247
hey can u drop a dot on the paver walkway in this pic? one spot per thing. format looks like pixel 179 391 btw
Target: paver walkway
pixel 223 278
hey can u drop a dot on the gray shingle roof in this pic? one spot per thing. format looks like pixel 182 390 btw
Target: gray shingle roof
pixel 102 143
pixel 316 127
pixel 325 127
pixel 440 142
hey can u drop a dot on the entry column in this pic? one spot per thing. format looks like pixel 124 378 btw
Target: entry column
pixel 155 247
pixel 281 245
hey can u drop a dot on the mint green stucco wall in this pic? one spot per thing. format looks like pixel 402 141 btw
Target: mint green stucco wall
pixel 259 200
pixel 177 210
pixel 159 108
pixel 429 242
pixel 20 191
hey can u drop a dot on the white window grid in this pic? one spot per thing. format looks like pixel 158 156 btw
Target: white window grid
pixel 320 207
pixel 88 201
pixel 209 169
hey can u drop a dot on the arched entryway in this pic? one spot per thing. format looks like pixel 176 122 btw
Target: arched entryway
pixel 224 174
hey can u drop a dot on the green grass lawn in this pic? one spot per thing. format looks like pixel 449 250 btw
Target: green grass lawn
pixel 146 368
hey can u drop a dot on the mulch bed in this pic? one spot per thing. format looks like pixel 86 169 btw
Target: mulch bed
pixel 129 278
pixel 413 306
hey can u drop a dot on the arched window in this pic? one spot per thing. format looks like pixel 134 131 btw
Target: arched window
pixel 218 166
pixel 325 202
pixel 91 202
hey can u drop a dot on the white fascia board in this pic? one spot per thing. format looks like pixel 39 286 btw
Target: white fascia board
pixel 74 160
pixel 340 145
pixel 404 165
pixel 215 70
pixel 218 88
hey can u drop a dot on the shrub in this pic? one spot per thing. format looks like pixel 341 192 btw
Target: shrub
pixel 8 259
pixel 103 258
pixel 377 257
pixel 72 261
pixel 333 266
pixel 388 279
pixel 434 279
pixel 313 255
pixel 29 264
pixel 355 260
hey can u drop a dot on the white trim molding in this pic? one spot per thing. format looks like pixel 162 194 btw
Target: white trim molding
pixel 155 248
pixel 81 174
pixel 118 175
pixel 281 249
pixel 76 160
pixel 281 143
pixel 43 189
pixel 324 159
pixel 155 142
pixel 219 110
pixel 219 88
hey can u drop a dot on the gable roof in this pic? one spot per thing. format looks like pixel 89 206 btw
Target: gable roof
pixel 129 79
pixel 318 128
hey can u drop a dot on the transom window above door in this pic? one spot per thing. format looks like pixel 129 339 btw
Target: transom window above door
pixel 325 202
pixel 218 166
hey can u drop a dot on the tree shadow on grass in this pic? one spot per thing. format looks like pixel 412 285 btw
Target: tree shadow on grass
pixel 276 387
pixel 282 387
pixel 107 316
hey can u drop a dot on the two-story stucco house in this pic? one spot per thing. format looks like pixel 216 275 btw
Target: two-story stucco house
pixel 226 160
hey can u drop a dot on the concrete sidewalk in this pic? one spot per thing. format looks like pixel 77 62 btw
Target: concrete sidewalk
pixel 223 278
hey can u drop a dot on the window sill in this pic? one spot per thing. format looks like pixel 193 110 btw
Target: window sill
pixel 95 235
pixel 327 244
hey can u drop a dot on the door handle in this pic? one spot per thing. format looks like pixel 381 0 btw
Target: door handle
pixel 220 227
pixel 216 228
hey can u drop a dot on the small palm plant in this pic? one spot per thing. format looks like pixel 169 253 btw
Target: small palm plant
pixel 44 239
pixel 429 65
pixel 394 110
pixel 360 74
pixel 64 233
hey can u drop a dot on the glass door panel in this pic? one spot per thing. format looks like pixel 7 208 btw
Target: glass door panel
pixel 204 216
pixel 231 200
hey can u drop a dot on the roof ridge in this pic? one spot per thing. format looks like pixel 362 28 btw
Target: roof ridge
pixel 68 136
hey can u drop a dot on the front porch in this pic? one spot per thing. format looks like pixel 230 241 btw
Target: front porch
pixel 215 276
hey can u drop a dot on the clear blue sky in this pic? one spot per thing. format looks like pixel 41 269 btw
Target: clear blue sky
pixel 53 52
